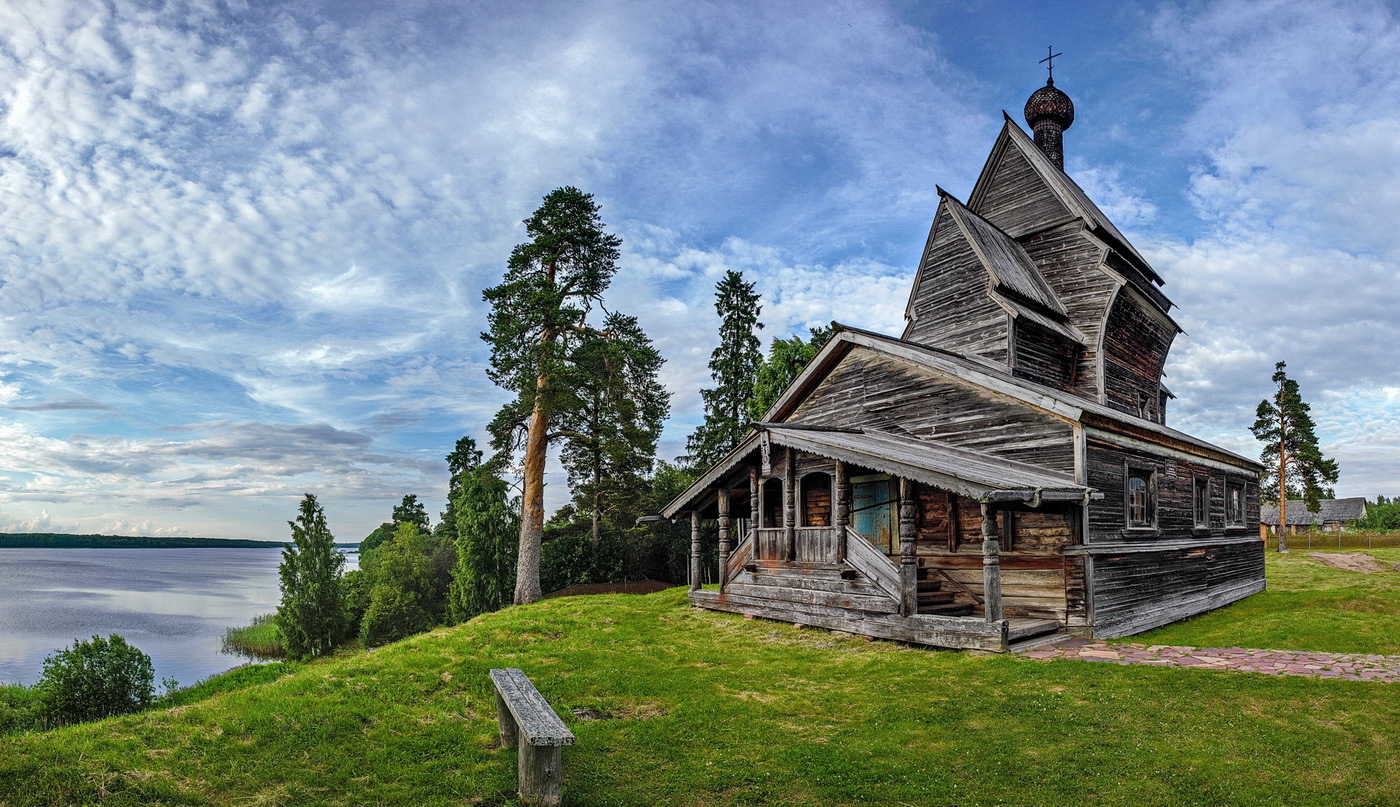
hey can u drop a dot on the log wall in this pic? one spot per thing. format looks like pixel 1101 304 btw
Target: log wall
pixel 1138 578
pixel 1033 568
pixel 1135 350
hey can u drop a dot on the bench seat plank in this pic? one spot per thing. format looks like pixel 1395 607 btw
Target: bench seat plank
pixel 536 721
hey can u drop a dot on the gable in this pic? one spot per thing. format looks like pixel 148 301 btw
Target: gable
pixel 873 390
pixel 950 305
pixel 1011 194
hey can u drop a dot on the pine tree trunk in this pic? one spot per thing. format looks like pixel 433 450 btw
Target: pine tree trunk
pixel 527 570
pixel 1282 498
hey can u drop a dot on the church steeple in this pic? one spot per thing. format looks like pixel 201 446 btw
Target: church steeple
pixel 1049 112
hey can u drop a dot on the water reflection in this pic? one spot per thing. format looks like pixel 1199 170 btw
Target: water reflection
pixel 174 604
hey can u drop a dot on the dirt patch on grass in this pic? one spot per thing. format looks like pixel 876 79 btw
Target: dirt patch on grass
pixel 1351 562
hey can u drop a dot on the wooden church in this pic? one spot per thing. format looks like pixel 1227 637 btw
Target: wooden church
pixel 1001 472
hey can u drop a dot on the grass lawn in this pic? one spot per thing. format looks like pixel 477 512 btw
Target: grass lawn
pixel 1308 606
pixel 714 709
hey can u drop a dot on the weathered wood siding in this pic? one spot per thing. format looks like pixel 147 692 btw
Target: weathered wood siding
pixel 1137 590
pixel 1033 570
pixel 1135 350
pixel 1016 199
pixel 872 390
pixel 951 304
pixel 1144 577
pixel 1043 356
pixel 1174 476
pixel 1070 261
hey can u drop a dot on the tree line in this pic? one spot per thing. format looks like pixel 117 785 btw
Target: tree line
pixel 585 380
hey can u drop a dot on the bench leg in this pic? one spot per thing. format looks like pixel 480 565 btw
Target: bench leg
pixel 541 773
pixel 505 722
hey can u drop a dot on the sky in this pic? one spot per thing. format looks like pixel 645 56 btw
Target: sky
pixel 242 245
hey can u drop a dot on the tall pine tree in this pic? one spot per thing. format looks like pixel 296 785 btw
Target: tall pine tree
pixel 1293 463
pixel 310 617
pixel 732 367
pixel 539 333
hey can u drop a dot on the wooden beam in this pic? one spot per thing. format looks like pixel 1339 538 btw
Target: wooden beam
pixel 694 550
pixel 843 509
pixel 908 562
pixel 722 503
pixel 790 504
pixel 991 564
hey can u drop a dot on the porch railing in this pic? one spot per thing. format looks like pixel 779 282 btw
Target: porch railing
pixel 873 564
pixel 739 556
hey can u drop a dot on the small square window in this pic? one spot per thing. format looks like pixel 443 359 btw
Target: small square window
pixel 1234 505
pixel 1201 500
pixel 1141 499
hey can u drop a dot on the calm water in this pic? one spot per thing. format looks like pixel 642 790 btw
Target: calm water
pixel 174 604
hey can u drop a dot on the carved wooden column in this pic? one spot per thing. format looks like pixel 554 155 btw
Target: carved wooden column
pixel 723 503
pixel 991 564
pixel 843 509
pixel 790 505
pixel 754 513
pixel 908 562
pixel 694 550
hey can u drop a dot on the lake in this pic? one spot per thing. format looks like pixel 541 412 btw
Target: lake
pixel 174 604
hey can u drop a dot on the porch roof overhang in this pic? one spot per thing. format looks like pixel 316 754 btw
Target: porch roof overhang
pixel 960 470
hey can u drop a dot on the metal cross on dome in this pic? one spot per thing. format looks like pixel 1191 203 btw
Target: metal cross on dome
pixel 1049 61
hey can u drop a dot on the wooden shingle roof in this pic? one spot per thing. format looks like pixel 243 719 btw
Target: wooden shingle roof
pixel 1012 270
pixel 1329 510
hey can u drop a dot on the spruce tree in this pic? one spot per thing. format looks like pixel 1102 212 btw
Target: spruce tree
pixel 732 367
pixel 610 437
pixel 537 325
pixel 488 526
pixel 1292 461
pixel 310 616
pixel 786 360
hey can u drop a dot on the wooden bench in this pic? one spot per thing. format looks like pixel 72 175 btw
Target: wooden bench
pixel 526 719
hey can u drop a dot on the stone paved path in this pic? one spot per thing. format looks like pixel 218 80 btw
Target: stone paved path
pixel 1344 666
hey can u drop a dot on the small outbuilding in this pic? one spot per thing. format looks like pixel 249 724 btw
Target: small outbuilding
pixel 1332 515
pixel 1002 470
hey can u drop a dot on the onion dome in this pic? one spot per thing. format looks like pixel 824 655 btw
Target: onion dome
pixel 1049 112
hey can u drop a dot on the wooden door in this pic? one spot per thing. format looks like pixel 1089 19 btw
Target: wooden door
pixel 873 511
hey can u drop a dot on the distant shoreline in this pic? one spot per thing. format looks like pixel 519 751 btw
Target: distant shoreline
pixel 48 540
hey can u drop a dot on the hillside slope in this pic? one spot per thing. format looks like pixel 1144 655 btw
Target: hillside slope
pixel 707 708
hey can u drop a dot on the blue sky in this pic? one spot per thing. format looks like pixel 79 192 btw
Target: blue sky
pixel 243 244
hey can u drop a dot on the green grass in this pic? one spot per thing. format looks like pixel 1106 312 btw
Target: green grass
pixel 1308 606
pixel 713 709
pixel 260 640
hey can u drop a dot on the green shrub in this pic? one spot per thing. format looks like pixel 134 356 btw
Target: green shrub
pixel 20 708
pixel 95 679
pixel 354 597
pixel 393 614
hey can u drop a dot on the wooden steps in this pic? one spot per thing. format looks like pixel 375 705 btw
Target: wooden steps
pixel 934 599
